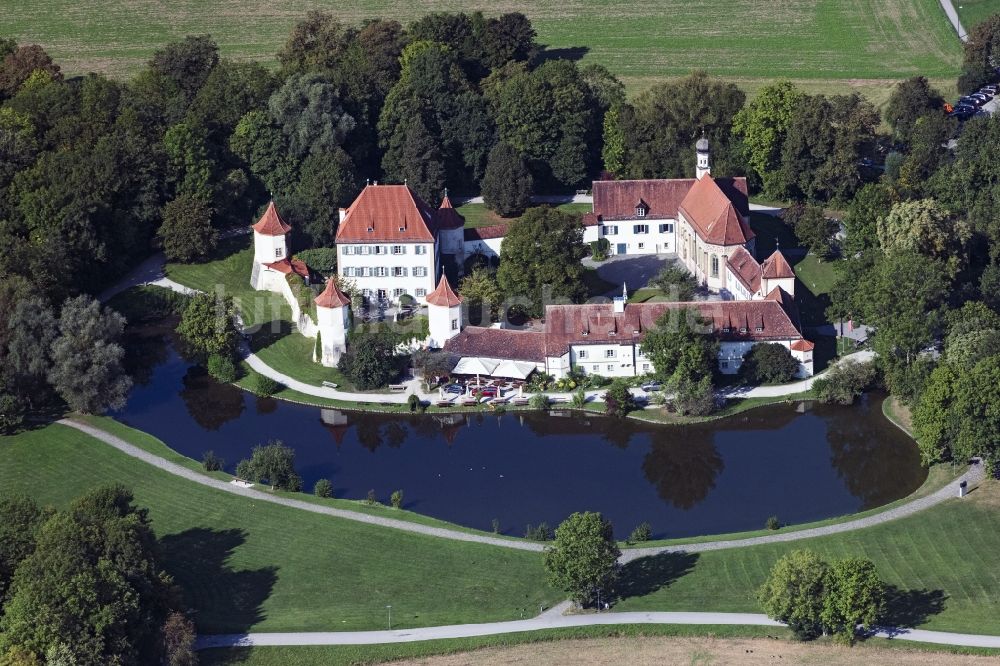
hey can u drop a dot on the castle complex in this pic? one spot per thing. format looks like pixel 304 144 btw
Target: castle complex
pixel 391 245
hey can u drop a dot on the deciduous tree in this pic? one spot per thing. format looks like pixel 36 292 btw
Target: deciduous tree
pixel 794 592
pixel 273 463
pixel 208 325
pixel 87 359
pixel 540 259
pixel 187 233
pixel 583 559
pixel 507 182
pixel 910 100
pixel 762 126
pixel 768 363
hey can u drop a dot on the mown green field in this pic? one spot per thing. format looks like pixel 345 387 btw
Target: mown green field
pixel 246 564
pixel 973 12
pixel 856 43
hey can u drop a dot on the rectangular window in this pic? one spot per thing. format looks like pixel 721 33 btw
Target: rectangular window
pixel 611 367
pixel 640 228
pixel 609 353
pixel 642 246
pixel 420 249
pixel 398 271
pixel 346 249
pixel 667 228
pixel 640 211
pixel 420 271
pixel 582 353
pixel 278 252
pixel 381 271
pixel 397 292
pixel 366 292
pixel 645 367
pixel 454 324
pixel 366 249
pixel 610 229
pixel 398 249
pixel 348 272
pixel 420 293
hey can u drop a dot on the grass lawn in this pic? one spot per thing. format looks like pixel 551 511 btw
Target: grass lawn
pixel 478 215
pixel 973 12
pixel 284 348
pixel 943 561
pixel 229 270
pixel 840 45
pixel 818 276
pixel 254 565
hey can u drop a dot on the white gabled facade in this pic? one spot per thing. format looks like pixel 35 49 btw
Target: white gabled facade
pixel 389 270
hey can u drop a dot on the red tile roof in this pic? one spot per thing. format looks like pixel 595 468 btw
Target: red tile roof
pixel 567 325
pixel 802 345
pixel 712 214
pixel 776 266
pixel 617 199
pixel 287 266
pixel 332 297
pixel 387 213
pixel 446 217
pixel 498 343
pixel 486 233
pixel 443 295
pixel 270 223
pixel 745 268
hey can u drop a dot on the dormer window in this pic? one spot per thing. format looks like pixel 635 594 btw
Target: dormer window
pixel 640 210
pixel 371 229
pixel 402 229
pixel 743 329
pixel 726 329
pixel 760 329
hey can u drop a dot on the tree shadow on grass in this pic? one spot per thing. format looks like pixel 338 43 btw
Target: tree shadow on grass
pixel 647 575
pixel 265 335
pixel 574 53
pixel 223 600
pixel 911 608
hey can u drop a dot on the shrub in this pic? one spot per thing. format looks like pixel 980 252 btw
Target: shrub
pixel 263 386
pixel 579 399
pixel 773 523
pixel 694 398
pixel 642 532
pixel 540 533
pixel 844 382
pixel 768 363
pixel 320 259
pixel 539 401
pixel 212 462
pixel 323 488
pixel 414 402
pixel 618 401
pixel 222 368
pixel 11 413
pixel 396 499
pixel 370 499
pixel 274 463
pixel 599 249
pixel 304 296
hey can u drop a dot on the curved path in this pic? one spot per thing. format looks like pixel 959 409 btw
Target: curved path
pixel 972 476
pixel 556 621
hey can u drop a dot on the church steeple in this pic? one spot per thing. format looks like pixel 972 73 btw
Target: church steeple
pixel 703 166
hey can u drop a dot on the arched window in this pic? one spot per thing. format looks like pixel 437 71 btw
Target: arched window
pixel 715 266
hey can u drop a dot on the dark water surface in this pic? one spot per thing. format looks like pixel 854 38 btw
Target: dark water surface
pixel 799 462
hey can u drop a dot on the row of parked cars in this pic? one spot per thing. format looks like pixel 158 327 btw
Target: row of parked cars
pixel 969 105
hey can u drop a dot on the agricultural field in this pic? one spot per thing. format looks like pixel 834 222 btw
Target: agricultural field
pixel 973 12
pixel 831 45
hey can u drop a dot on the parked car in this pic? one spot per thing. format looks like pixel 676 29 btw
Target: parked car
pixel 457 389
pixel 991 89
pixel 970 101
pixel 489 391
pixel 982 96
pixel 652 386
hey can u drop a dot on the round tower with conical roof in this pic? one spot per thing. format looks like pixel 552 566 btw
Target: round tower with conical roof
pixel 270 244
pixel 332 322
pixel 444 314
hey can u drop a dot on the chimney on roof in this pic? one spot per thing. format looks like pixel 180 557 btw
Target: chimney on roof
pixel 343 214
pixel 619 301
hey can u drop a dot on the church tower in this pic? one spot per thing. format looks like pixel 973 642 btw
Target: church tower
pixel 704 166
pixel 444 314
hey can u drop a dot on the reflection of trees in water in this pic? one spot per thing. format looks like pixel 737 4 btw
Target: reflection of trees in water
pixel 266 405
pixel 210 403
pixel 683 465
pixel 877 462
pixel 145 348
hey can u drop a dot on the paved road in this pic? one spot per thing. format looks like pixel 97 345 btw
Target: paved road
pixel 554 621
pixel 974 475
pixel 949 10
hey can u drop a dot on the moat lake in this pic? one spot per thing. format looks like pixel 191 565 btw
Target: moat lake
pixel 800 461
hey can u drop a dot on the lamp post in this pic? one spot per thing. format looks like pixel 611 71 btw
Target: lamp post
pixel 389 608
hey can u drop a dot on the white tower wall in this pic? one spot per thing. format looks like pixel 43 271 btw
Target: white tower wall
pixel 444 324
pixel 268 249
pixel 332 326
